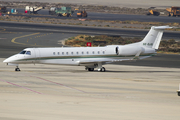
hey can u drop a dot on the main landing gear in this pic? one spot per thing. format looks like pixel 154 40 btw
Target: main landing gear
pixel 90 69
pixel 17 68
pixel 102 69
pixel 98 65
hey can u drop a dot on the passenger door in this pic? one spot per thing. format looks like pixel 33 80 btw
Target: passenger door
pixel 37 55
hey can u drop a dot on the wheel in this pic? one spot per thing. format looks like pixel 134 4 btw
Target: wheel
pixel 59 15
pixel 148 13
pixel 90 69
pixel 178 93
pixel 156 14
pixel 173 15
pixel 17 69
pixel 102 69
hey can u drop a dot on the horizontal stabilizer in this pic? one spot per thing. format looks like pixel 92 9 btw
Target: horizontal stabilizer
pixel 161 27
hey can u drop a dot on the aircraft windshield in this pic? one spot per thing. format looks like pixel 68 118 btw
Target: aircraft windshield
pixel 28 53
pixel 22 52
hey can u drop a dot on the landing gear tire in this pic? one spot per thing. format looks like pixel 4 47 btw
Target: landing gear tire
pixel 17 69
pixel 90 69
pixel 102 69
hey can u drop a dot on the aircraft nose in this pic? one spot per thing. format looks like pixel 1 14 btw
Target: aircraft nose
pixel 10 59
pixel 6 60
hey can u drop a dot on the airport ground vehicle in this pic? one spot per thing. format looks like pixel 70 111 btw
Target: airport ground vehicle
pixel 33 9
pixel 63 11
pixel 13 11
pixel 82 13
pixel 3 9
pixel 76 9
pixel 174 11
pixel 153 12
pixel 52 11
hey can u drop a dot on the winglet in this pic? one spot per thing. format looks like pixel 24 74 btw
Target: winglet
pixel 161 27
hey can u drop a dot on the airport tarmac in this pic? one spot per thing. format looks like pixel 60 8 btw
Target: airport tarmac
pixel 51 92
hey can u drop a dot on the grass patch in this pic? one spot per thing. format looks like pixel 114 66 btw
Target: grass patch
pixel 166 46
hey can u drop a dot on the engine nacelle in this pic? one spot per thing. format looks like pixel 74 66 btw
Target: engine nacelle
pixel 128 50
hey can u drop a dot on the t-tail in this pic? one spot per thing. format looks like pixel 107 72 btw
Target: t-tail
pixel 147 46
pixel 153 38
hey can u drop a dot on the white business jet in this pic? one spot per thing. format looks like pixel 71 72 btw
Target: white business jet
pixel 91 57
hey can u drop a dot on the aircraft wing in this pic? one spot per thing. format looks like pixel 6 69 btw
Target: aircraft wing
pixel 102 61
pixel 136 57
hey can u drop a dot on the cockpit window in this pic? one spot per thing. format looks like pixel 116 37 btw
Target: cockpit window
pixel 22 52
pixel 28 53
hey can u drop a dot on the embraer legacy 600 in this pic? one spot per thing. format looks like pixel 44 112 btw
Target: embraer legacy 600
pixel 91 57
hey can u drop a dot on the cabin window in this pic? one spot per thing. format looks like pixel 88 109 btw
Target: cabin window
pixel 93 52
pixel 62 53
pixel 77 53
pixel 28 53
pixel 54 53
pixel 82 52
pixel 66 53
pixel 87 52
pixel 58 53
pixel 22 52
pixel 98 52
pixel 103 52
pixel 72 53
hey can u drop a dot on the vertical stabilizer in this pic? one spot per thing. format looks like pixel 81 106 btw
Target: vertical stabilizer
pixel 153 38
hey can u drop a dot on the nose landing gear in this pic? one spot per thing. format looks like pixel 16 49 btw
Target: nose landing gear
pixel 17 68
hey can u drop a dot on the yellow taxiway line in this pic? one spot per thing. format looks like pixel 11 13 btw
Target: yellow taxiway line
pixel 13 40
